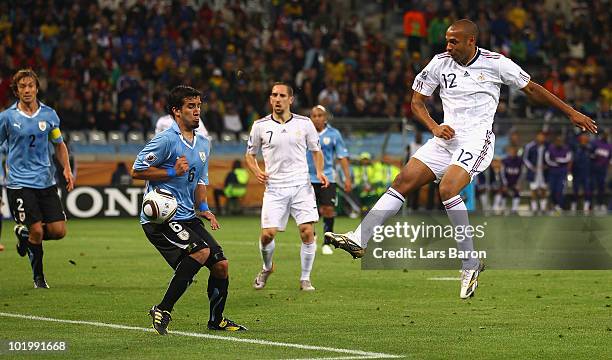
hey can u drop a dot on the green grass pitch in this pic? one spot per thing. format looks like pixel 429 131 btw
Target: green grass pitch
pixel 106 271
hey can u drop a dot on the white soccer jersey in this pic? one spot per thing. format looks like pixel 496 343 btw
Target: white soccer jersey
pixel 470 94
pixel 284 148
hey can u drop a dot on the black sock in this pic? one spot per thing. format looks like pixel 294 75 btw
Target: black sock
pixel 183 276
pixel 328 224
pixel 35 253
pixel 217 294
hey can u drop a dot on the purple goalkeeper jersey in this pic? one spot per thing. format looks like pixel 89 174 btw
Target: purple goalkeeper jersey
pixel 512 167
pixel 602 151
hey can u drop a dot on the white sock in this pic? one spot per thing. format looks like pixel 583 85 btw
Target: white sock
pixel 515 203
pixel 587 206
pixel 534 205
pixel 387 206
pixel 543 204
pixel 307 254
pixel 266 255
pixel 498 202
pixel 458 216
pixel 484 201
pixel 574 206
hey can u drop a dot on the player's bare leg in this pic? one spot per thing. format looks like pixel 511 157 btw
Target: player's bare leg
pixel 453 181
pixel 266 246
pixel 413 176
pixel 308 251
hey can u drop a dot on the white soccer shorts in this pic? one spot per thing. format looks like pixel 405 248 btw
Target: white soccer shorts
pixel 278 203
pixel 473 154
pixel 539 182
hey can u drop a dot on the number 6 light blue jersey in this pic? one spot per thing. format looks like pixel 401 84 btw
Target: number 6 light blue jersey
pixel 332 146
pixel 162 152
pixel 28 139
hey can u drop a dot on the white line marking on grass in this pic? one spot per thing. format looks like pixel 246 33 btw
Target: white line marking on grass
pixel 361 354
pixel 445 278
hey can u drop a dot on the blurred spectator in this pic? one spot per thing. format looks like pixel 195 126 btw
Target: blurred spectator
pixel 110 51
pixel 558 158
pixel 581 172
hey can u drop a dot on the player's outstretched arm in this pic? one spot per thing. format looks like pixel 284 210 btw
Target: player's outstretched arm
pixel 420 112
pixel 537 93
pixel 158 174
pixel 62 155
pixel 251 163
pixel 202 210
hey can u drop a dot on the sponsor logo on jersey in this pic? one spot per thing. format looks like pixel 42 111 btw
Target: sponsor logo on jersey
pixel 42 125
pixel 466 74
pixel 17 125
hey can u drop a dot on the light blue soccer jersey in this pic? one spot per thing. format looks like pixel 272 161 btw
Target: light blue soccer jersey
pixel 28 139
pixel 332 146
pixel 162 152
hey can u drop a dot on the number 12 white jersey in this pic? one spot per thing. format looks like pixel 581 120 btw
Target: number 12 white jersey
pixel 470 94
pixel 284 147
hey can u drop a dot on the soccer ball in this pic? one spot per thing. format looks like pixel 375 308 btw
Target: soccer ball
pixel 159 206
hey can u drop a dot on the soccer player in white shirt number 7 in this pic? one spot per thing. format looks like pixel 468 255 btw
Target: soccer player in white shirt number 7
pixel 284 138
pixel 470 79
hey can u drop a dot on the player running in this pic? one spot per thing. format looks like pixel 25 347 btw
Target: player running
pixel 29 126
pixel 284 138
pixel 470 79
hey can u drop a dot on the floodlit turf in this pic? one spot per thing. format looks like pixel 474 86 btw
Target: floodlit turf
pixel 106 271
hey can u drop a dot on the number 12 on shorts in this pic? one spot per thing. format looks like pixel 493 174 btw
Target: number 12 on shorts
pixel 464 157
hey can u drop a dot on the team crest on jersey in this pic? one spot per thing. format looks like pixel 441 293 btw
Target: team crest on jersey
pixel 424 75
pixel 183 235
pixel 481 77
pixel 203 156
pixel 326 140
pixel 42 125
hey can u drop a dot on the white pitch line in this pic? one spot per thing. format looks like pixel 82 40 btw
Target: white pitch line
pixel 362 354
pixel 444 278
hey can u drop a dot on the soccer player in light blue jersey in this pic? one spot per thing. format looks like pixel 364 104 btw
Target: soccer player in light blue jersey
pixel 332 146
pixel 177 160
pixel 28 126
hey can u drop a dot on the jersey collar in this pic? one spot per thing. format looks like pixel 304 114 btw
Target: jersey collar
pixel 40 106
pixel 476 56
pixel 278 122
pixel 177 130
pixel 324 130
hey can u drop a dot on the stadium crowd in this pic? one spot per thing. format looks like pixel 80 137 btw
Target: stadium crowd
pixel 106 64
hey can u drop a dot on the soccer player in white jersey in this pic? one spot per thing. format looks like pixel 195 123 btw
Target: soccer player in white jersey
pixel 470 79
pixel 284 138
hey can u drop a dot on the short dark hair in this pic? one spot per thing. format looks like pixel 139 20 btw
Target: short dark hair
pixel 289 88
pixel 177 96
pixel 21 74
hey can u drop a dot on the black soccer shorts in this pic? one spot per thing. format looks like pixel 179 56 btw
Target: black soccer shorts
pixel 325 196
pixel 29 205
pixel 176 239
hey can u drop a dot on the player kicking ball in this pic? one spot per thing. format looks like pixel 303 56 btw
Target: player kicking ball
pixel 176 160
pixel 470 79
pixel 284 138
